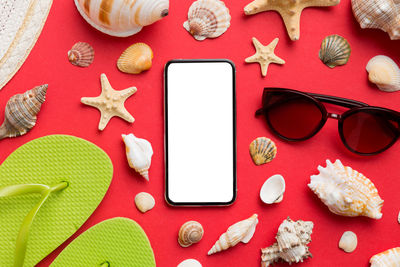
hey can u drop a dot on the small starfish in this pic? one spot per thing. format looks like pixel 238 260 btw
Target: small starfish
pixel 110 102
pixel 290 11
pixel 264 55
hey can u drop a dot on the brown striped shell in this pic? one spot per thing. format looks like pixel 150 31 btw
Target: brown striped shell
pixel 191 232
pixel 81 54
pixel 262 150
pixel 335 51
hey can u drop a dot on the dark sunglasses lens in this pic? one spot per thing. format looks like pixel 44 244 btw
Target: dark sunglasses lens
pixel 369 132
pixel 292 115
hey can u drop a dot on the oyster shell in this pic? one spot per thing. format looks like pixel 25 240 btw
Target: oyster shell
pixel 81 54
pixel 384 72
pixel 262 150
pixel 388 258
pixel 144 202
pixel 273 189
pixel 348 241
pixel 135 59
pixel 335 51
pixel 191 232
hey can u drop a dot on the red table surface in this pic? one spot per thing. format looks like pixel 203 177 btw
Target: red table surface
pixel 63 113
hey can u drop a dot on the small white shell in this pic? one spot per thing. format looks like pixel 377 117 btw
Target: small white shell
pixel 348 241
pixel 398 218
pixel 273 189
pixel 190 263
pixel 144 202
pixel 384 72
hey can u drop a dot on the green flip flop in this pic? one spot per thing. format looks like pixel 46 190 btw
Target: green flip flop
pixel 117 242
pixel 48 188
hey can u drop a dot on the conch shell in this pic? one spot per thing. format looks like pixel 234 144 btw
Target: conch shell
pixel 191 232
pixel 21 111
pixel 138 153
pixel 122 18
pixel 241 231
pixel 346 192
pixel 384 72
pixel 81 54
pixel 388 258
pixel 135 59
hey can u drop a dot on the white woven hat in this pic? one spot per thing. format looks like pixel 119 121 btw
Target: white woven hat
pixel 21 22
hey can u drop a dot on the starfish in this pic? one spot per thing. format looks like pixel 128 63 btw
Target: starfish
pixel 290 11
pixel 110 102
pixel 264 55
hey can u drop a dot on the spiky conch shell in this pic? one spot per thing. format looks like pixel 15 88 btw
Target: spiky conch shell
pixel 81 54
pixel 262 150
pixel 135 59
pixel 207 19
pixel 241 231
pixel 21 110
pixel 335 51
pixel 384 72
pixel 190 232
pixel 346 192
pixel 378 14
pixel 388 258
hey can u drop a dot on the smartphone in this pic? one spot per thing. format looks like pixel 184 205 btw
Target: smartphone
pixel 200 132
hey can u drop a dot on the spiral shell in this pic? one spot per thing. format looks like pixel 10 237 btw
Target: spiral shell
pixel 384 72
pixel 335 51
pixel 262 150
pixel 81 54
pixel 191 232
pixel 21 111
pixel 135 59
pixel 388 258
pixel 207 19
pixel 121 18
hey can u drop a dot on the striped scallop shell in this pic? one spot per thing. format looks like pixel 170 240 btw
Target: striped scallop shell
pixel 190 232
pixel 135 59
pixel 346 192
pixel 262 150
pixel 81 54
pixel 388 258
pixel 207 19
pixel 335 51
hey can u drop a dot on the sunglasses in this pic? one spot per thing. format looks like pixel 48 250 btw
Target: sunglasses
pixel 295 116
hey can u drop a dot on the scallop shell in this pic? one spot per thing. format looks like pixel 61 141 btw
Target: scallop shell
pixel 189 263
pixel 122 18
pixel 135 59
pixel 273 189
pixel 21 110
pixel 262 150
pixel 348 241
pixel 346 192
pixel 378 14
pixel 384 72
pixel 335 51
pixel 81 54
pixel 207 19
pixel 191 232
pixel 388 258
pixel 144 202
pixel 241 231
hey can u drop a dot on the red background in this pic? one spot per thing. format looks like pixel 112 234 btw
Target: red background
pixel 63 113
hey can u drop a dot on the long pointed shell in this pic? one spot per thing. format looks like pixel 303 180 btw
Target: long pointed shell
pixel 138 153
pixel 273 189
pixel 135 59
pixel 241 231
pixel 335 51
pixel 21 111
pixel 190 232
pixel 384 72
pixel 388 258
pixel 81 54
pixel 346 192
pixel 262 150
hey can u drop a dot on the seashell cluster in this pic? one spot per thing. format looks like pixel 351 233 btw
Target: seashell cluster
pixel 135 59
pixel 207 19
pixel 241 231
pixel 81 54
pixel 348 241
pixel 273 189
pixel 384 72
pixel 191 232
pixel 346 192
pixel 291 246
pixel 388 258
pixel 262 150
pixel 144 202
pixel 138 153
pixel 378 14
pixel 21 110
pixel 189 263
pixel 122 18
pixel 335 51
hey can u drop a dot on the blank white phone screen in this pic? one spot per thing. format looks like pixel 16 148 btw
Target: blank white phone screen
pixel 200 132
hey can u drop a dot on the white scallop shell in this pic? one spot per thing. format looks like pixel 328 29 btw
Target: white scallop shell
pixel 384 72
pixel 348 241
pixel 273 189
pixel 189 263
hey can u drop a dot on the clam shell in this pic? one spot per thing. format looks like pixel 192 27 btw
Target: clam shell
pixel 262 150
pixel 81 54
pixel 388 258
pixel 207 19
pixel 384 72
pixel 135 59
pixel 348 241
pixel 190 232
pixel 144 202
pixel 189 263
pixel 335 51
pixel 273 189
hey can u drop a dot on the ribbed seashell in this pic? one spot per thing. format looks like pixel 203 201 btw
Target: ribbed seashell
pixel 138 153
pixel 144 202
pixel 335 51
pixel 378 14
pixel 21 110
pixel 273 189
pixel 241 231
pixel 122 18
pixel 384 72
pixel 388 258
pixel 348 241
pixel 207 19
pixel 81 54
pixel 191 232
pixel 190 263
pixel 346 192
pixel 262 150
pixel 135 59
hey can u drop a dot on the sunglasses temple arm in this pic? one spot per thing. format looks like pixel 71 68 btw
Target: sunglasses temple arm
pixel 338 101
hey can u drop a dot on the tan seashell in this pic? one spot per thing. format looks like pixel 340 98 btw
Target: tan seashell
pixel 241 231
pixel 144 202
pixel 191 232
pixel 348 241
pixel 388 258
pixel 122 18
pixel 81 54
pixel 273 189
pixel 378 14
pixel 207 19
pixel 135 59
pixel 346 192
pixel 189 263
pixel 262 150
pixel 384 72
pixel 335 51
pixel 21 110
